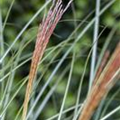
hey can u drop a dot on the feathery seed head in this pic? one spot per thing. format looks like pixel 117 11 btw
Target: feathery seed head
pixel 44 33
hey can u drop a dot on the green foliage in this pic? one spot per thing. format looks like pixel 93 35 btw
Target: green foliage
pixel 15 66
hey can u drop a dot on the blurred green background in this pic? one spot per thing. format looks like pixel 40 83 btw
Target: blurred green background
pixel 21 12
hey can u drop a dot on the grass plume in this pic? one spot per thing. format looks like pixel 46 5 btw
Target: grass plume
pixel 103 83
pixel 44 33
